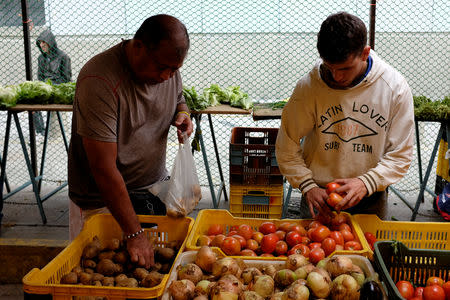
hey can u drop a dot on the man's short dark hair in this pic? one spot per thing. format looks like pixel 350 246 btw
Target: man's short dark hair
pixel 159 28
pixel 341 35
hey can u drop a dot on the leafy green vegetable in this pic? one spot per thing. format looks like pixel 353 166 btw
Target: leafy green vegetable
pixel 34 92
pixel 63 93
pixel 193 100
pixel 8 96
pixel 214 95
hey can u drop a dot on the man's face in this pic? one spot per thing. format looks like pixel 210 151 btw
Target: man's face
pixel 44 46
pixel 344 74
pixel 158 65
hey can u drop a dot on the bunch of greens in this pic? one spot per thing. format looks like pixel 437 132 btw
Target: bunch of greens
pixel 214 95
pixel 427 110
pixel 193 100
pixel 278 104
pixel 34 92
pixel 63 93
pixel 232 95
pixel 8 96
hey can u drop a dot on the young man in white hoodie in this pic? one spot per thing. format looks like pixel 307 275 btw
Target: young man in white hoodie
pixel 355 115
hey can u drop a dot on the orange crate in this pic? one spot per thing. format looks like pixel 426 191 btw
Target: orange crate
pixel 104 226
pixel 207 217
pixel 256 201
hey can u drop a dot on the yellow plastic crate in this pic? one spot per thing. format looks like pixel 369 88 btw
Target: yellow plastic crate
pixel 207 217
pixel 256 201
pixel 415 235
pixel 47 280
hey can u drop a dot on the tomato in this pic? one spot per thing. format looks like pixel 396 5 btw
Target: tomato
pixel 314 245
pixel 324 219
pixel 268 243
pixel 348 236
pixel 245 231
pixel 331 186
pixel 234 228
pixel 446 287
pixel 300 249
pixel 285 226
pixel 320 233
pixel 305 240
pixel 405 288
pixel 267 227
pixel 333 199
pixel 316 255
pixel 345 226
pixel 231 246
pixel 232 232
pixel 416 298
pixel 352 245
pixel 266 255
pixel 338 219
pixel 293 238
pixel 371 239
pixel 328 245
pixel 252 244
pixel 215 229
pixel 281 247
pixel 435 280
pixel 337 237
pixel 241 240
pixel 433 292
pixel 299 228
pixel 247 252
pixel 281 234
pixel 257 236
pixel 309 232
pixel 418 292
pixel 315 224
pixel 203 240
pixel 217 240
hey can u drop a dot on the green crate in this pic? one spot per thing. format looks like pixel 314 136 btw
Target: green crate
pixel 414 265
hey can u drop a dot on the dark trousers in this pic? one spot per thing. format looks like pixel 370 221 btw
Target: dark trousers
pixel 145 203
pixel 375 204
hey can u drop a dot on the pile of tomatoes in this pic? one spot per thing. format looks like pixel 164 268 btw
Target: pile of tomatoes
pixel 315 240
pixel 435 289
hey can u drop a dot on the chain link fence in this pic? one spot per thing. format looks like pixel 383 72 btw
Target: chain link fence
pixel 262 46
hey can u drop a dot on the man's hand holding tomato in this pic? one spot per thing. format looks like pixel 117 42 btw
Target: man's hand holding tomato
pixel 355 190
pixel 316 198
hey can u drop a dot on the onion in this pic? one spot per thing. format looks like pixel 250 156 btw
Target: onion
pixel 269 270
pixel 322 263
pixel 249 273
pixel 203 287
pixel 226 265
pixel 250 295
pixel 264 286
pixel 277 296
pixel 284 277
pixel 205 258
pixel 296 261
pixel 225 296
pixel 201 297
pixel 318 284
pixel 191 272
pixel 296 292
pixel 338 265
pixel 303 272
pixel 359 277
pixel 344 287
pixel 182 289
pixel 228 283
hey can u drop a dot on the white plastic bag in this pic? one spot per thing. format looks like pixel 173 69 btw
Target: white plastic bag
pixel 184 191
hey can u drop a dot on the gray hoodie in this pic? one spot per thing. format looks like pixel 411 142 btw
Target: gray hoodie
pixel 54 65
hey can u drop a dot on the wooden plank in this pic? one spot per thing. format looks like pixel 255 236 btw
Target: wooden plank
pixel 262 112
pixel 41 107
pixel 223 109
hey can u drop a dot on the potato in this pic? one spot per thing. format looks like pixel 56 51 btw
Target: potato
pixel 69 278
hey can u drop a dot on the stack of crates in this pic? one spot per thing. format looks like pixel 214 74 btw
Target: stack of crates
pixel 256 184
